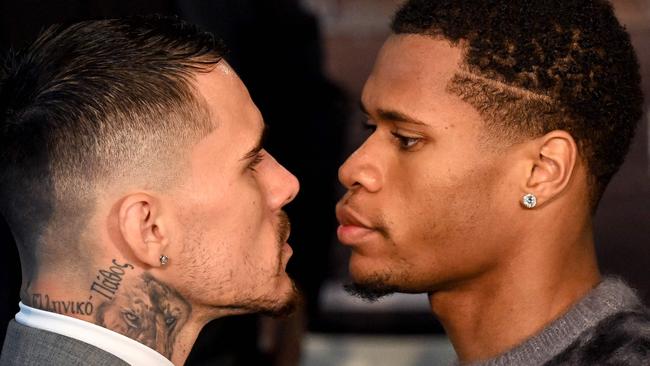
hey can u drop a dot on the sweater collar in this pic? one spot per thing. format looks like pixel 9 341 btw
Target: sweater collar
pixel 608 298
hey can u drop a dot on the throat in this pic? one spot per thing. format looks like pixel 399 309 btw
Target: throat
pixel 485 322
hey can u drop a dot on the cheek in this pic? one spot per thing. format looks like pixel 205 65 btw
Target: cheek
pixel 237 215
pixel 232 231
pixel 442 209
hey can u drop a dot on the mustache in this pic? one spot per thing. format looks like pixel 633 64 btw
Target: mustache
pixel 284 227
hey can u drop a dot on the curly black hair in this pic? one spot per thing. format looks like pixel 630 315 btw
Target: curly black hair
pixel 531 67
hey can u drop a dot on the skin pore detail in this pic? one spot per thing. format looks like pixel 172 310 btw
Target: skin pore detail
pixel 138 306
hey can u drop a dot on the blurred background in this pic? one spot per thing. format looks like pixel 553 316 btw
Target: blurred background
pixel 305 62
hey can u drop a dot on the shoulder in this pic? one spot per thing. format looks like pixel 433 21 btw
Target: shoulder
pixel 620 339
pixel 30 346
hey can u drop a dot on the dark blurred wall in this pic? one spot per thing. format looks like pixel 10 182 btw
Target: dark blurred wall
pixel 622 224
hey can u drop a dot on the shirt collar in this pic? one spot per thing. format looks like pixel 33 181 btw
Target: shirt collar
pixel 129 350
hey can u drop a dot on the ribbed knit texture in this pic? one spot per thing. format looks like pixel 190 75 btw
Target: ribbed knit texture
pixel 611 296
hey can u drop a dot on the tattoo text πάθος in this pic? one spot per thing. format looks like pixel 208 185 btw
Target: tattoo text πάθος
pixel 107 287
pixel 108 280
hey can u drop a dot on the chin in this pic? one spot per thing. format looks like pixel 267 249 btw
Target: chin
pixel 370 281
pixel 285 304
pixel 364 269
pixel 372 287
pixel 374 278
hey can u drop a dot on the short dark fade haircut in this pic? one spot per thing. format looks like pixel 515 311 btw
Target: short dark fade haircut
pixel 530 67
pixel 94 102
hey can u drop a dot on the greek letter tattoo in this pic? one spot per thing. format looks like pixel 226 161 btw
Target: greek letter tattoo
pixel 109 280
pixel 43 302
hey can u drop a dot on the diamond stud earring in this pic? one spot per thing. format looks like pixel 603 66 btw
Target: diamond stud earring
pixel 164 259
pixel 529 200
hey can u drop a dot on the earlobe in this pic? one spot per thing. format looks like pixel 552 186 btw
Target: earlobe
pixel 552 169
pixel 141 226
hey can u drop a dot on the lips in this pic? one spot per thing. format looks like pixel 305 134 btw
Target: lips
pixel 283 233
pixel 353 229
pixel 286 252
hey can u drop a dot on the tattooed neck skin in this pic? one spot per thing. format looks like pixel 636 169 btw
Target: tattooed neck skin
pixel 126 301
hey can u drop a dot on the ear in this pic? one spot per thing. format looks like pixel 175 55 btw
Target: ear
pixel 143 228
pixel 552 166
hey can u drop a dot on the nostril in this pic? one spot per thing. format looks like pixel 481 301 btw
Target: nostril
pixel 293 195
pixel 294 188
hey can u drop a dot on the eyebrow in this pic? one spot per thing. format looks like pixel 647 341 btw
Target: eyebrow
pixel 392 115
pixel 259 145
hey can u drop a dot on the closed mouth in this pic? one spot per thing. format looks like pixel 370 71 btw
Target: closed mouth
pixel 353 229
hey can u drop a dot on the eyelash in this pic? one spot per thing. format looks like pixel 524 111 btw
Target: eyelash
pixel 405 143
pixel 255 161
pixel 370 127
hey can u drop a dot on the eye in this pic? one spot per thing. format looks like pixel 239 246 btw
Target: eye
pixel 255 161
pixel 405 142
pixel 369 127
pixel 132 319
pixel 170 321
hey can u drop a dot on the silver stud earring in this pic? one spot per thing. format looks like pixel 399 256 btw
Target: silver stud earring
pixel 164 259
pixel 529 200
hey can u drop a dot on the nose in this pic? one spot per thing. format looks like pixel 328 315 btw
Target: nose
pixel 282 188
pixel 360 170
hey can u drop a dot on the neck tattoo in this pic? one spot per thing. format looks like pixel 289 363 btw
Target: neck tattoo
pixel 141 308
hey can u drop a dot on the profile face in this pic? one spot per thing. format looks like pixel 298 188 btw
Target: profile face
pixel 428 198
pixel 232 228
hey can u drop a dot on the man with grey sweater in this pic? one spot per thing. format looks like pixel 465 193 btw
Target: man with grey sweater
pixel 496 126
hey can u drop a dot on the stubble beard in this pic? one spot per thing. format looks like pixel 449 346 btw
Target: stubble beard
pixel 287 304
pixel 270 302
pixel 372 289
pixel 376 285
pixel 282 306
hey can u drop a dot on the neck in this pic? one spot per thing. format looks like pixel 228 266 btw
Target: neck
pixel 124 299
pixel 496 311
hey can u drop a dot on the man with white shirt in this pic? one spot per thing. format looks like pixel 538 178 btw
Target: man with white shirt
pixel 142 201
pixel 496 126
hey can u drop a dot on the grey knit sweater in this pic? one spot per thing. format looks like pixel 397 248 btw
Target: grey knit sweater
pixel 609 326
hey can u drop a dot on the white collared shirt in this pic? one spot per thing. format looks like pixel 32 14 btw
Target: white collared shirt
pixel 129 350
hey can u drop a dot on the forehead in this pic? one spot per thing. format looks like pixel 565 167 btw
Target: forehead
pixel 238 123
pixel 226 97
pixel 412 73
